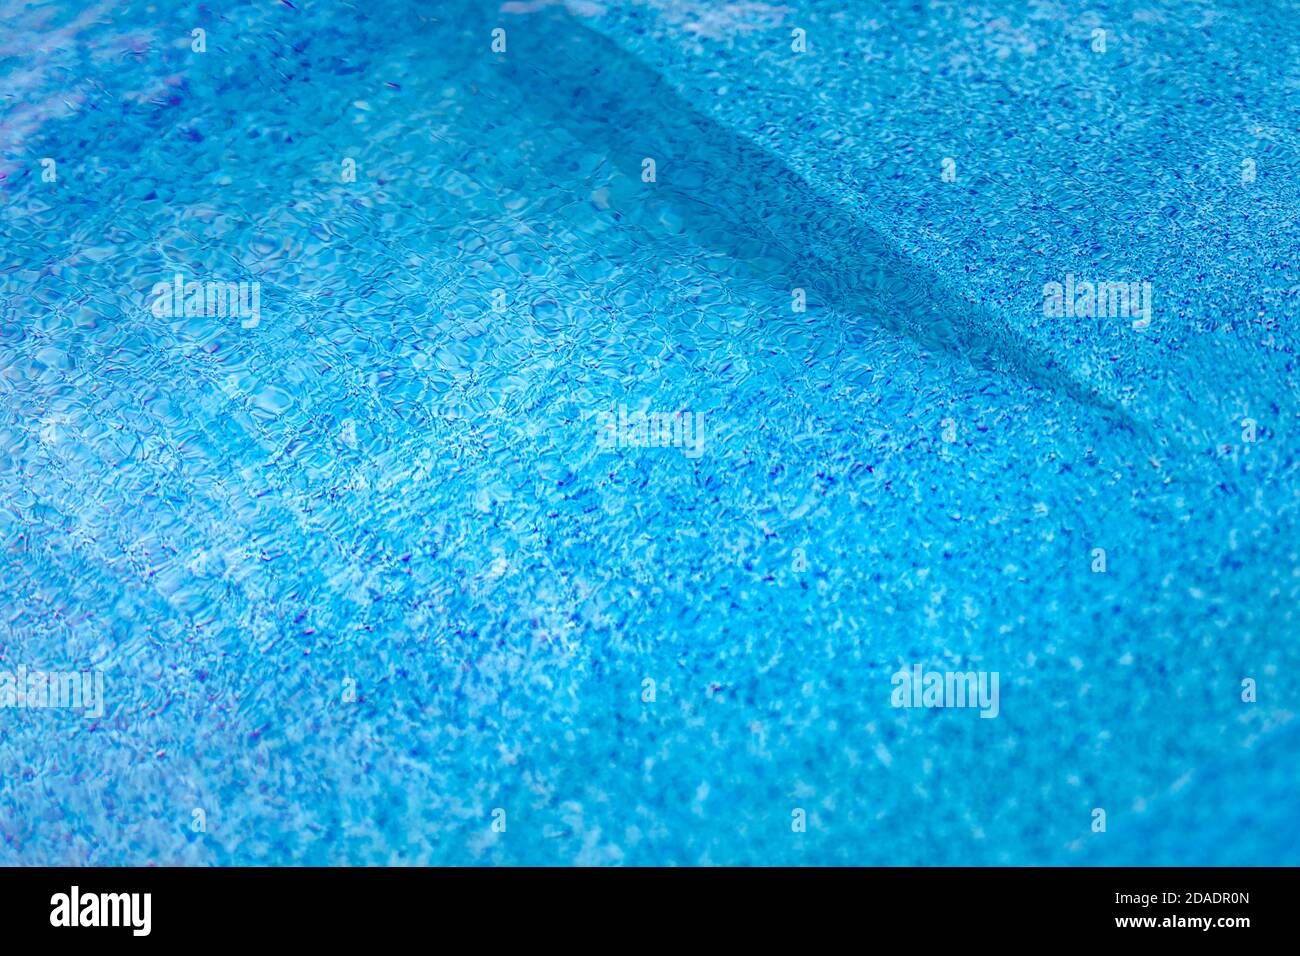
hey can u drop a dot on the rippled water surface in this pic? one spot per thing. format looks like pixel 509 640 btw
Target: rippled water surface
pixel 363 574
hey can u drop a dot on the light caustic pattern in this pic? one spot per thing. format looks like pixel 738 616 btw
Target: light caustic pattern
pixel 385 573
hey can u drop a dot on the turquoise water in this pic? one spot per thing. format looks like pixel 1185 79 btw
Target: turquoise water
pixel 365 575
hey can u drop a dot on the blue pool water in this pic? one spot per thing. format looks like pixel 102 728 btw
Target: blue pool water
pixel 366 578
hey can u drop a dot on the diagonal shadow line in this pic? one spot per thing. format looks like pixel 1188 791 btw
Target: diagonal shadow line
pixel 739 200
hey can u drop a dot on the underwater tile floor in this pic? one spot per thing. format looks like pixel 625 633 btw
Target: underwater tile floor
pixel 612 433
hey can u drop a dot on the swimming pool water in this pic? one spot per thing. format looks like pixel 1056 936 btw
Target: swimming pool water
pixel 375 576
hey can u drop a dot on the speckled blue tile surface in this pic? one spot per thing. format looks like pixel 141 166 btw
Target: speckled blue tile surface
pixel 366 578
